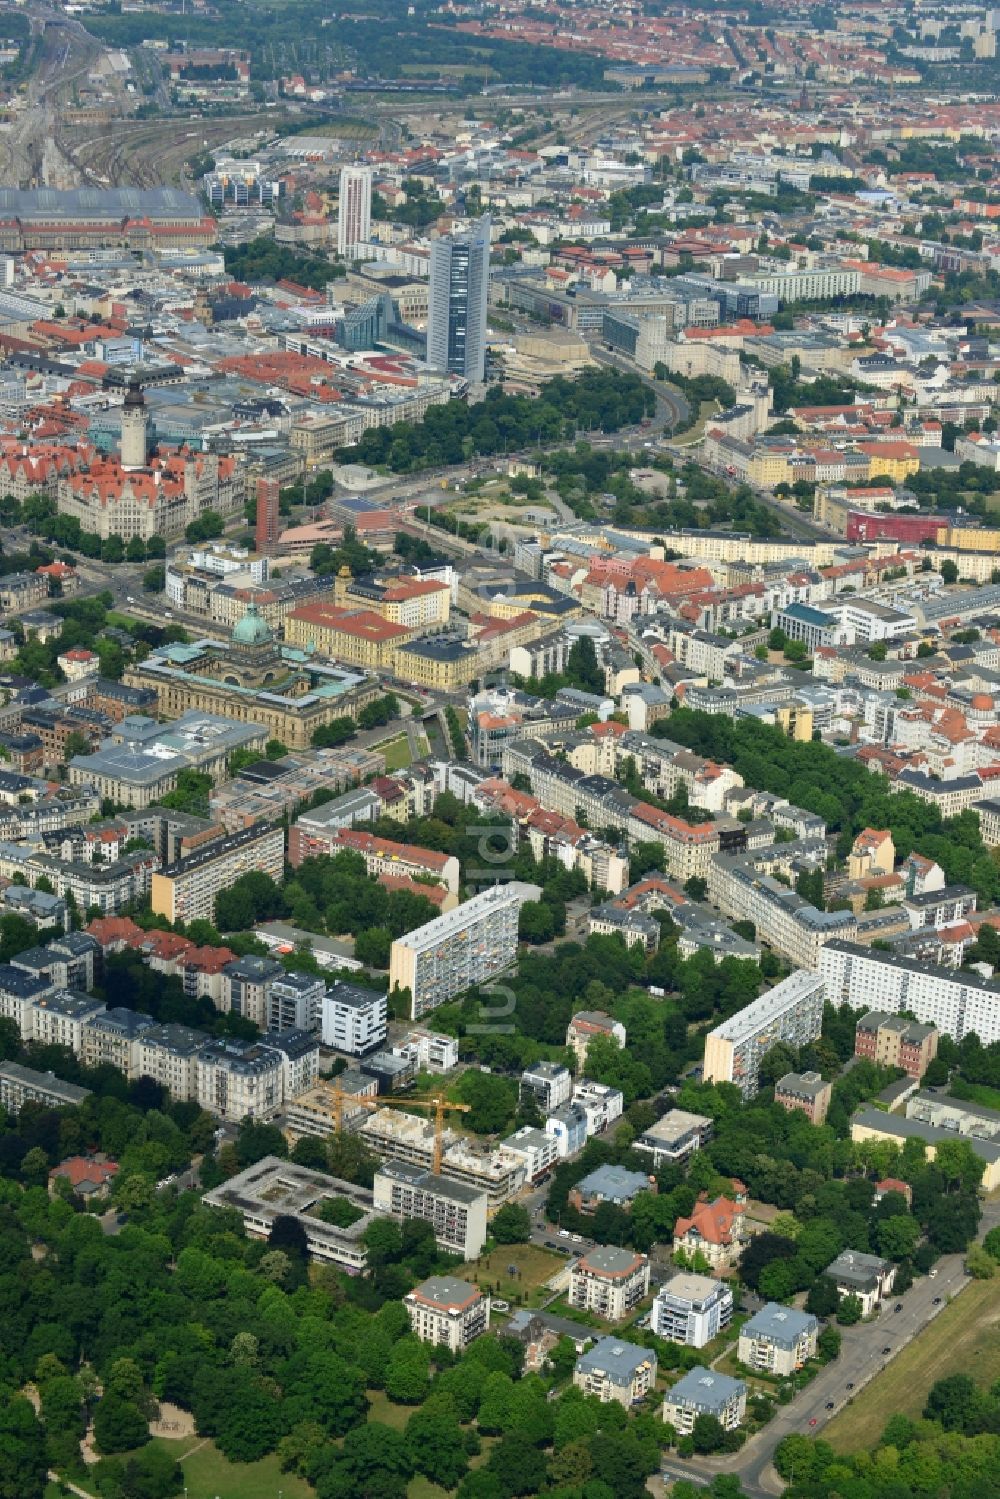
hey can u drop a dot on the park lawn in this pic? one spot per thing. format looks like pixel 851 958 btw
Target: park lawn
pixel 207 1472
pixel 706 411
pixel 964 1338
pixel 422 1488
pixel 387 1411
pixel 397 753
pixel 536 1266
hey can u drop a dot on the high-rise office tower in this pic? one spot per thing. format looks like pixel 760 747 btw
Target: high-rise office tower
pixel 268 521
pixel 460 281
pixel 354 216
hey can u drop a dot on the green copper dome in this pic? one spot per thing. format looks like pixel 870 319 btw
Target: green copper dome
pixel 252 629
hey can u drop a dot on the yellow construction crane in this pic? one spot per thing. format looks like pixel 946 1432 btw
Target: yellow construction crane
pixel 436 1104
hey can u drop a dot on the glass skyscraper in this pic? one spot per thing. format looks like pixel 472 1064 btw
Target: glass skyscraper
pixel 456 326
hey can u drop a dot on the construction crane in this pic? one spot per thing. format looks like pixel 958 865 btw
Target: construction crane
pixel 436 1104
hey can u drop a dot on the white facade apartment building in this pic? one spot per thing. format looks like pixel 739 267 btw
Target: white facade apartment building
pixel 167 1054
pixel 601 1104
pixel 548 1084
pixel 778 1339
pixel 691 1309
pixel 538 1150
pixel 955 1003
pixel 59 1019
pixel 791 1012
pixel 430 1051
pixel 467 946
pixel 675 1137
pixel 609 1282
pixel 354 1020
pixel 456 1211
pixel 446 1310
pixel 238 1079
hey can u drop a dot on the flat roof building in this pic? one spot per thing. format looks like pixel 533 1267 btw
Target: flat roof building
pixel 674 1137
pixel 691 1309
pixel 456 1211
pixel 273 1188
pixel 791 1012
pixel 466 946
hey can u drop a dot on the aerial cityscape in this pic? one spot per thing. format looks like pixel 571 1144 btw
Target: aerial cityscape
pixel 500 739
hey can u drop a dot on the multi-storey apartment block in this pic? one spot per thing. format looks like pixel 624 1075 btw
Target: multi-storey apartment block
pixel 354 1020
pixel 616 1370
pixel 456 1212
pixel 955 1003
pixel 548 1084
pixel 791 1012
pixel 238 1079
pixel 703 1392
pixel 806 1091
pixel 691 1309
pixel 112 1037
pixel 894 1041
pixel 186 891
pixel 20 1085
pixel 167 1054
pixel 674 1137
pixel 469 945
pixel 609 1282
pixel 585 1025
pixel 778 1339
pixel 446 1310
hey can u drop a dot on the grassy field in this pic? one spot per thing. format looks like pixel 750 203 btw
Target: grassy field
pixel 706 411
pixel 387 1411
pixel 963 1339
pixel 536 1267
pixel 422 1488
pixel 208 1474
pixel 397 753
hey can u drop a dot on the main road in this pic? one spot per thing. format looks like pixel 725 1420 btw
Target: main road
pixel 672 408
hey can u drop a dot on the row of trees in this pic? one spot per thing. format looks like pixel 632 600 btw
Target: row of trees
pixel 597 400
pixel 38 513
pixel 953 1449
pixel 840 790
